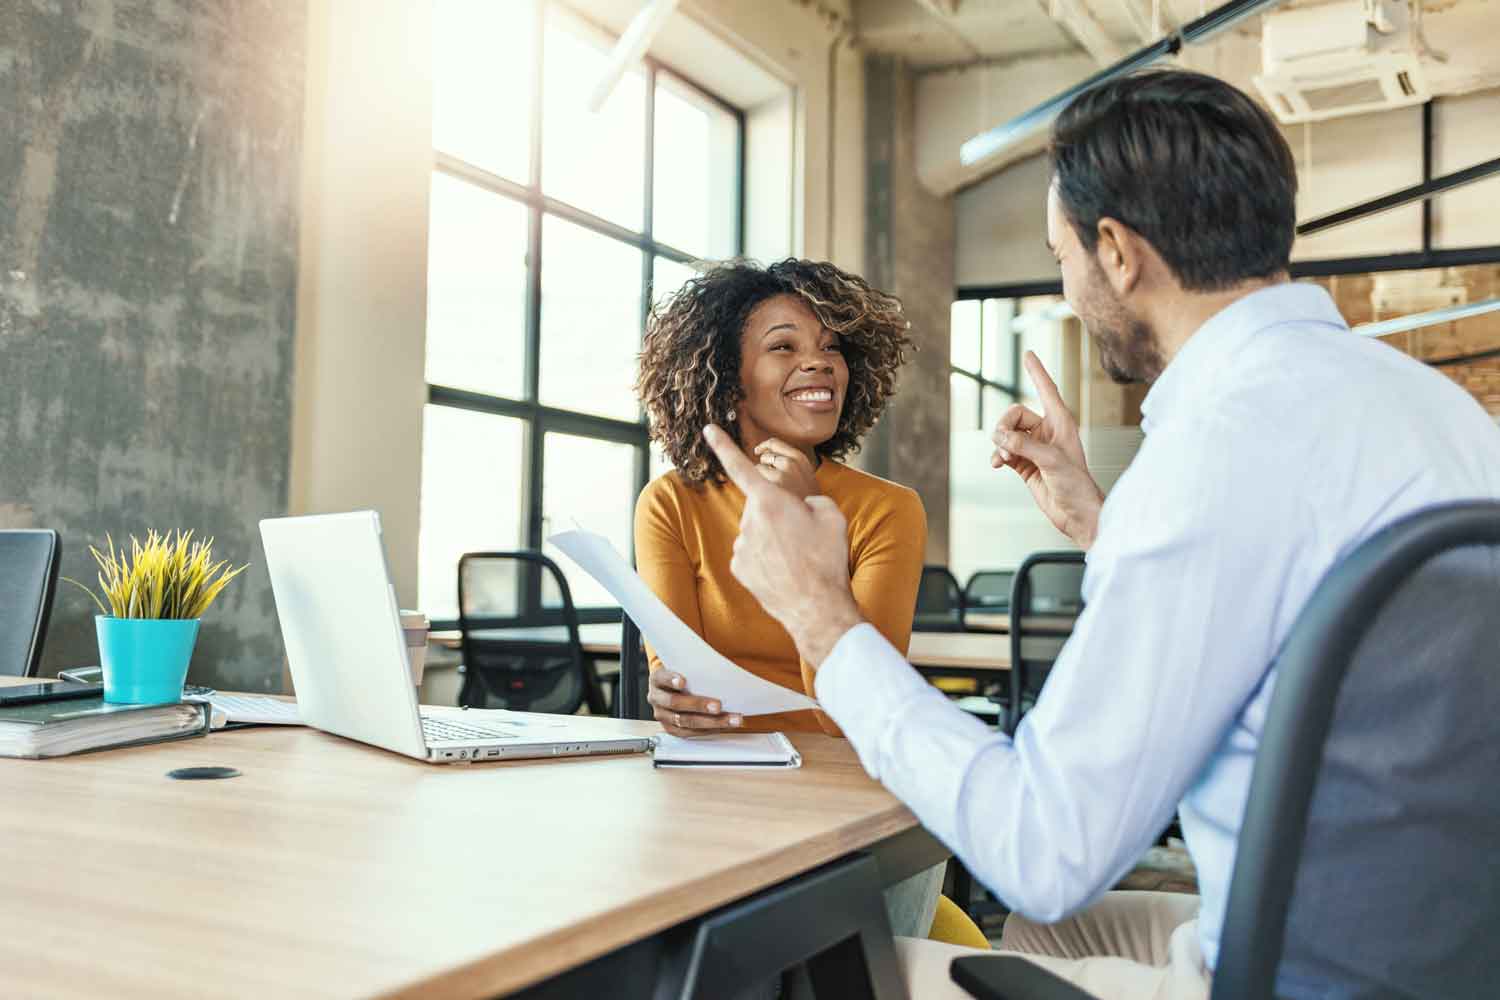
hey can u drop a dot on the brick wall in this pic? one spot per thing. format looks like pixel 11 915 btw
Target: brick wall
pixel 1368 298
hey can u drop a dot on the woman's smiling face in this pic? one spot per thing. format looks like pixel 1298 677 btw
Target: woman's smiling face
pixel 793 374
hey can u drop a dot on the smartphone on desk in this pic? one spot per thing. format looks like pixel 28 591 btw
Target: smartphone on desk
pixel 23 694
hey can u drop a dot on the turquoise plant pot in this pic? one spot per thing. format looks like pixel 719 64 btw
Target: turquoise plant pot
pixel 145 660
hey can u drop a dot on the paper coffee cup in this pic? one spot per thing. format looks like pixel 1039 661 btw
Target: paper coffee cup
pixel 414 626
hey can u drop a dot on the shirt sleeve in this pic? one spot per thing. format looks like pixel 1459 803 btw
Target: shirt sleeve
pixel 662 559
pixel 1173 641
pixel 884 573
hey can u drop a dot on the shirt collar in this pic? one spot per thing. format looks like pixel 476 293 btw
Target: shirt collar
pixel 1216 341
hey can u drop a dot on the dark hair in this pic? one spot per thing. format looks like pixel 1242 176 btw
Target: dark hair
pixel 1191 163
pixel 690 358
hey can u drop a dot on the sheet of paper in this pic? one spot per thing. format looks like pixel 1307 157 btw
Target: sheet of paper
pixel 707 671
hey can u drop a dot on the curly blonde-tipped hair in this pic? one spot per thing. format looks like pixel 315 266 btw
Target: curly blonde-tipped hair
pixel 690 360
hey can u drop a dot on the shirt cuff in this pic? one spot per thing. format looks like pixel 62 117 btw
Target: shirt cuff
pixel 862 684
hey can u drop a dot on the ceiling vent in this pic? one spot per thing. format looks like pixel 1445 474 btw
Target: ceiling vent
pixel 1342 58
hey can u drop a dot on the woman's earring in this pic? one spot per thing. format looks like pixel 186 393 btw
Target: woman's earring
pixel 731 416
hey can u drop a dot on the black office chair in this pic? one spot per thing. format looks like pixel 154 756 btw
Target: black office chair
pixel 28 581
pixel 535 674
pixel 939 602
pixel 1366 861
pixel 630 701
pixel 989 590
pixel 1046 598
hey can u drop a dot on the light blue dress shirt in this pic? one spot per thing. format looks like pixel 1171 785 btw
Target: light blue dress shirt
pixel 1276 441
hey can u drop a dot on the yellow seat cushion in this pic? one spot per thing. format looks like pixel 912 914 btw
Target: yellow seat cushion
pixel 956 685
pixel 953 926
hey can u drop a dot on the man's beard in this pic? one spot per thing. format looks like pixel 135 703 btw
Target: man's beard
pixel 1127 344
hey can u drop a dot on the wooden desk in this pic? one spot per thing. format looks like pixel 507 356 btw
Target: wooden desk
pixel 330 868
pixel 987 621
pixel 977 652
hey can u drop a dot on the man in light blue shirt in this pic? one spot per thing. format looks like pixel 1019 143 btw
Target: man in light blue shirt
pixel 1276 441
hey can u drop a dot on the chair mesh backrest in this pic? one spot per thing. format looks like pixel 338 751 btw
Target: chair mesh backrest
pixel 939 600
pixel 989 590
pixel 1053 588
pixel 1398 890
pixel 1046 599
pixel 634 674
pixel 535 676
pixel 28 579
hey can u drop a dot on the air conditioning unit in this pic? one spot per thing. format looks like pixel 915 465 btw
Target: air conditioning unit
pixel 1341 58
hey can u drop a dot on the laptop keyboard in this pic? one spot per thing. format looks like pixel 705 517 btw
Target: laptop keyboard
pixel 434 730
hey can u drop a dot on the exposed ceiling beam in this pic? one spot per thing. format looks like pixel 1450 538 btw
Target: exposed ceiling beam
pixel 1084 28
pixel 991 145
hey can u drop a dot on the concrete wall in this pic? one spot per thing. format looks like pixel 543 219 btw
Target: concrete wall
pixel 910 253
pixel 148 240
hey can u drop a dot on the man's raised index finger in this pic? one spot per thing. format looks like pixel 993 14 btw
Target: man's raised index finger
pixel 739 469
pixel 1045 387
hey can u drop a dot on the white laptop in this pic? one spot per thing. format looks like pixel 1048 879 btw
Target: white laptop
pixel 342 630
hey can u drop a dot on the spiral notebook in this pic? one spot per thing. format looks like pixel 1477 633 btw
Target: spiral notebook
pixel 735 750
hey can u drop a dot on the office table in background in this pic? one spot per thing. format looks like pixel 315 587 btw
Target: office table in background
pixel 597 639
pixel 330 868
pixel 979 652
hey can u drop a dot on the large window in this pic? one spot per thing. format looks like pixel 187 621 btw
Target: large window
pixel 993 522
pixel 553 228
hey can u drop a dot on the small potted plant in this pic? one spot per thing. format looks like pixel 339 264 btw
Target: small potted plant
pixel 153 598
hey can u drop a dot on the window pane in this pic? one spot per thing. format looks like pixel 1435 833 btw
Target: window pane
pixel 476 289
pixel 591 321
pixel 592 482
pixel 1042 334
pixel 666 277
pixel 965 334
pixel 995 403
pixel 696 169
pixel 660 463
pixel 964 403
pixel 596 162
pixel 999 341
pixel 481 83
pixel 471 497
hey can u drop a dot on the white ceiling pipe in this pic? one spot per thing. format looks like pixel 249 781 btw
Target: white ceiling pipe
pixel 638 37
pixel 1417 321
pixel 1399 324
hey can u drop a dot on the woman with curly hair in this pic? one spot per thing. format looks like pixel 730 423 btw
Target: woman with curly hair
pixel 796 361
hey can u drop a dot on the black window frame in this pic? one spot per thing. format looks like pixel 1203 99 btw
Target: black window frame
pixel 538 419
pixel 1011 389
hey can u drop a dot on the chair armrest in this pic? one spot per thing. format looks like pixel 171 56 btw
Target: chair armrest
pixel 1007 977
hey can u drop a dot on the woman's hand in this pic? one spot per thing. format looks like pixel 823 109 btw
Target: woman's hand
pixel 684 714
pixel 787 467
